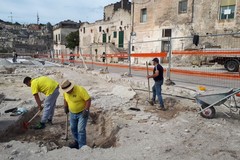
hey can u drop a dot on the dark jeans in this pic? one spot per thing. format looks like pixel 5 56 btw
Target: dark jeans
pixel 157 91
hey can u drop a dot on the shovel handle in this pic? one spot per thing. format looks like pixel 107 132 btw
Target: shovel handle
pixel 66 130
pixel 39 111
pixel 148 81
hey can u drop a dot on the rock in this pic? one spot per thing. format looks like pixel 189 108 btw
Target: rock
pixel 15 152
pixel 11 158
pixel 123 92
pixel 44 149
pixel 148 148
pixel 86 148
pixel 7 146
pixel 168 150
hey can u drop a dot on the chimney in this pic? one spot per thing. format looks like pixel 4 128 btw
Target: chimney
pixel 122 4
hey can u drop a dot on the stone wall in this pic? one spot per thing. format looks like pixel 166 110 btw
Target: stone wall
pixel 202 18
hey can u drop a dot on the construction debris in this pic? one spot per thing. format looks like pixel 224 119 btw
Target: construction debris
pixel 121 124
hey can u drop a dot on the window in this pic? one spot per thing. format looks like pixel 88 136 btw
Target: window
pixel 165 46
pixel 115 34
pixel 166 33
pixel 182 6
pixel 227 9
pixel 143 17
pixel 100 29
pixel 104 38
pixel 59 38
pixel 84 29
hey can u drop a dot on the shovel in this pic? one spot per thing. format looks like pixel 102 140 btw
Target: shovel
pixel 148 82
pixel 66 129
pixel 26 124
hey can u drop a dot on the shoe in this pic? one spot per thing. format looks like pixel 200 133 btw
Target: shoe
pixel 161 108
pixel 74 145
pixel 49 121
pixel 151 103
pixel 40 126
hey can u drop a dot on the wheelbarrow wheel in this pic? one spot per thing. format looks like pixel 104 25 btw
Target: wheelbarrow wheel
pixel 208 113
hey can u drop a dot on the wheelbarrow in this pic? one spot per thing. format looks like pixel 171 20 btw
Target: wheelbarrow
pixel 207 102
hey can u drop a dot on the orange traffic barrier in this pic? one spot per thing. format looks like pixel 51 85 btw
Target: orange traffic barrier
pixel 173 70
pixel 120 55
pixel 152 55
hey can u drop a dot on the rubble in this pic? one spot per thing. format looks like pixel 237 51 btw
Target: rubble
pixel 114 131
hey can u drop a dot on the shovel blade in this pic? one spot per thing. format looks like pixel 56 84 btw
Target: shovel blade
pixel 25 125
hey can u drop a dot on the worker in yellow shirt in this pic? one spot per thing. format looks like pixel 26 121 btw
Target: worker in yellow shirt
pixel 76 101
pixel 50 89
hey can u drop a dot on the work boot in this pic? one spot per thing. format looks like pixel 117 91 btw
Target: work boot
pixel 152 102
pixel 40 125
pixel 161 108
pixel 49 121
pixel 74 145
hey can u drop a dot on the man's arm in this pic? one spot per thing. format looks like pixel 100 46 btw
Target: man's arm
pixel 154 75
pixel 88 104
pixel 39 102
pixel 66 110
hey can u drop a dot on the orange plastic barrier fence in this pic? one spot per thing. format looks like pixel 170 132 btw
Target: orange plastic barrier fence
pixel 205 52
pixel 121 55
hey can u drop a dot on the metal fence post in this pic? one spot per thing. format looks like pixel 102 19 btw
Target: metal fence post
pixel 91 55
pixel 169 58
pixel 129 56
pixel 106 59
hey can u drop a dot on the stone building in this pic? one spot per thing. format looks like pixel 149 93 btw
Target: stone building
pixel 60 31
pixel 157 20
pixel 109 35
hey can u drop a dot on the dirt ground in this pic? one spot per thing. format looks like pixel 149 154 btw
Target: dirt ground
pixel 114 131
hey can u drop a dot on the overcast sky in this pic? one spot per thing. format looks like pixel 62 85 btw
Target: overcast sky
pixel 53 11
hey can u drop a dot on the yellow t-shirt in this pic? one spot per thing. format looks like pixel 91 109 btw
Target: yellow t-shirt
pixel 76 99
pixel 44 85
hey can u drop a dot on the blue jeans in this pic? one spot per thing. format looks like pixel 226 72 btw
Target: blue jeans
pixel 78 127
pixel 157 91
pixel 49 106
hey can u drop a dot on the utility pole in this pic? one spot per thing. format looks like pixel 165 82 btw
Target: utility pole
pixel 11 17
pixel 37 19
pixel 131 40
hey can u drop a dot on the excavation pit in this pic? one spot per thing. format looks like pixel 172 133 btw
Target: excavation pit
pixel 101 132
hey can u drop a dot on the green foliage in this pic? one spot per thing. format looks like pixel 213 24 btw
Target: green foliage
pixel 17 24
pixel 72 40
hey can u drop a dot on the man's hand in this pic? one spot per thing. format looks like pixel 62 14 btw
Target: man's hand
pixel 85 113
pixel 42 101
pixel 40 108
pixel 66 110
pixel 149 77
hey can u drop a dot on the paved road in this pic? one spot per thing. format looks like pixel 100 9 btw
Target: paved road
pixel 179 79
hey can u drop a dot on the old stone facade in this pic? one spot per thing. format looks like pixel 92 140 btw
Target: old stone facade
pixel 157 20
pixel 60 31
pixel 109 35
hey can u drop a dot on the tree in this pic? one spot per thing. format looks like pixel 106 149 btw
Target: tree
pixel 17 24
pixel 49 27
pixel 72 40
